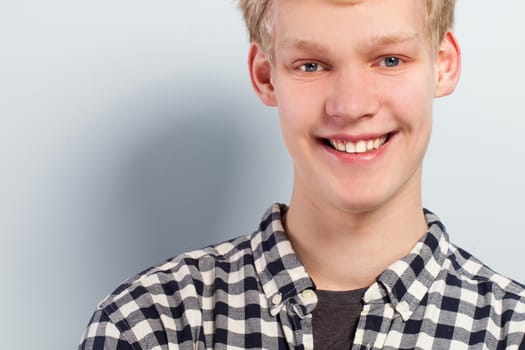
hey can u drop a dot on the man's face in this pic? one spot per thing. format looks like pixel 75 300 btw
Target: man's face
pixel 354 86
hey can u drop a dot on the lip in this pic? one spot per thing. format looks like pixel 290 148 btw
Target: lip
pixel 355 138
pixel 356 158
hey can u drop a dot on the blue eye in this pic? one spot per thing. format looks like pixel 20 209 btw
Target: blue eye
pixel 310 67
pixel 391 61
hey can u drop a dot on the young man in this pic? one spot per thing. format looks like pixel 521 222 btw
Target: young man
pixel 354 261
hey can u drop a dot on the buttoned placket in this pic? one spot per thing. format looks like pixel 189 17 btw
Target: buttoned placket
pixel 375 320
pixel 295 315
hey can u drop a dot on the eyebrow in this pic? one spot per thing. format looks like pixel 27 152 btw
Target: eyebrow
pixel 390 39
pixel 371 44
pixel 304 45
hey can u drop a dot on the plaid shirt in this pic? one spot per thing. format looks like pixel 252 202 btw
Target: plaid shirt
pixel 252 292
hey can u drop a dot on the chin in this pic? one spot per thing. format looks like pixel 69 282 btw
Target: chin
pixel 360 205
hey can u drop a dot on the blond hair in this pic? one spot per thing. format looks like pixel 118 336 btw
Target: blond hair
pixel 259 16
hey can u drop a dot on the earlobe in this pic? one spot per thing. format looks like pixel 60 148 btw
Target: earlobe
pixel 448 65
pixel 261 74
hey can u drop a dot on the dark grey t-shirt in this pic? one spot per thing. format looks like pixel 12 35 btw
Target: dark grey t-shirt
pixel 335 318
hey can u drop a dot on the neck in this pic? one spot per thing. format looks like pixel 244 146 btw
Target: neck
pixel 344 250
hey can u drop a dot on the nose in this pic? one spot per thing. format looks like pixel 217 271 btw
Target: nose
pixel 352 95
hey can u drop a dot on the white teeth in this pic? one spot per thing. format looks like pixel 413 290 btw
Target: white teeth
pixel 350 147
pixel 361 146
pixel 338 145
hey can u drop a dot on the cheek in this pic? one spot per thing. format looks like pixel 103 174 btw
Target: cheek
pixel 297 119
pixel 290 119
pixel 296 94
pixel 293 127
pixel 298 107
pixel 413 102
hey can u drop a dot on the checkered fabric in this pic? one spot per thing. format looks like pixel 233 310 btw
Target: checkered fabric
pixel 253 293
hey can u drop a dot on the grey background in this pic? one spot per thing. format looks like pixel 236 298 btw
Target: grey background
pixel 129 133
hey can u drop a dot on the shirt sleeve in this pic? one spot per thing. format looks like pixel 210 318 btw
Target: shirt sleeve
pixel 102 334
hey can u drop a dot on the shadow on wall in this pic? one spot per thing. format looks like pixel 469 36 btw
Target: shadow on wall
pixel 152 177
pixel 177 183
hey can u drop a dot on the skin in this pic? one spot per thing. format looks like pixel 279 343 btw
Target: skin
pixel 354 72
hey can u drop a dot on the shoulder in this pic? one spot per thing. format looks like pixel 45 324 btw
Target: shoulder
pixel 489 294
pixel 181 274
pixel 470 268
pixel 173 291
pixel 464 271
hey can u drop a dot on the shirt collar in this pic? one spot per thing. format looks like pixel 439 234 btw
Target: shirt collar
pixel 281 273
pixel 406 282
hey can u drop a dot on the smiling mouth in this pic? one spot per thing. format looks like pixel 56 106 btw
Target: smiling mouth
pixel 357 147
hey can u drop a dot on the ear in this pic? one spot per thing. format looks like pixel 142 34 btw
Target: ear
pixel 261 74
pixel 448 65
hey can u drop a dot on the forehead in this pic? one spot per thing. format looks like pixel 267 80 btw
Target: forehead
pixel 277 3
pixel 344 21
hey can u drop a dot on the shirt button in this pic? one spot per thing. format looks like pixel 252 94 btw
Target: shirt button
pixel 277 298
pixel 404 309
pixel 308 295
